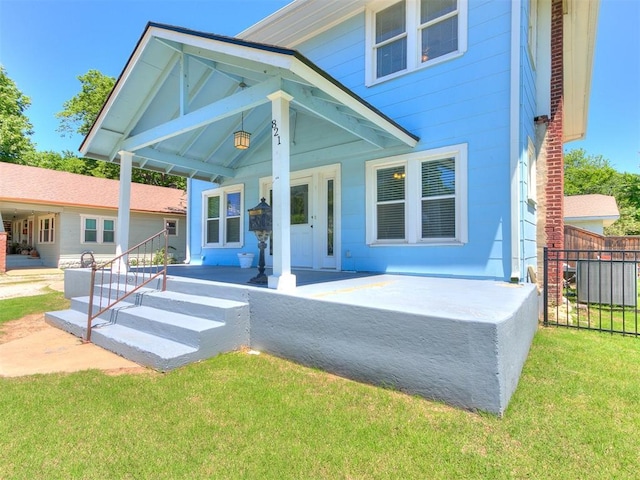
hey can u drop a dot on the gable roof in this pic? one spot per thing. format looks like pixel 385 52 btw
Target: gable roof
pixel 183 93
pixel 590 207
pixel 20 183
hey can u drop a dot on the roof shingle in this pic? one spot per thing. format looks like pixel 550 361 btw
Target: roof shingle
pixel 22 183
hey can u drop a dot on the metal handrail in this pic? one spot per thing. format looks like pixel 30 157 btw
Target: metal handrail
pixel 145 253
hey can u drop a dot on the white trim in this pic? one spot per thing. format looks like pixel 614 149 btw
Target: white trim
pixel 412 162
pixel 532 168
pixel 222 192
pixel 52 229
pixel 412 33
pixel 167 220
pixel 99 229
pixel 319 176
pixel 514 142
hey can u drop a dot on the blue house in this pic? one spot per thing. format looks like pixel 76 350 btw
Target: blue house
pixel 397 137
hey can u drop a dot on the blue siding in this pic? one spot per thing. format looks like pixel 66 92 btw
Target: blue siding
pixel 461 101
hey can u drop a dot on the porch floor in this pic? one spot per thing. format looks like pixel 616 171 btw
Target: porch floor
pixel 476 300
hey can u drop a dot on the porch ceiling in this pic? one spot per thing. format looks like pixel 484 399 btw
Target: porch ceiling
pixel 183 94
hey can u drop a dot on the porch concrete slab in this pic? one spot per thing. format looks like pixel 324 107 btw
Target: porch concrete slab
pixel 459 299
pixel 460 341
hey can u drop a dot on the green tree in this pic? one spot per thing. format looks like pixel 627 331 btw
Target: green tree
pixel 15 127
pixel 82 110
pixel 79 114
pixel 588 174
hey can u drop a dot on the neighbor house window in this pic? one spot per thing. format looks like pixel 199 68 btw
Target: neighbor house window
pixel 406 35
pixel 98 229
pixel 171 224
pixel 418 198
pixel 46 233
pixel 223 217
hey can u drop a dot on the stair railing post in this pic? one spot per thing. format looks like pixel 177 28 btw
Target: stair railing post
pixel 166 254
pixel 90 312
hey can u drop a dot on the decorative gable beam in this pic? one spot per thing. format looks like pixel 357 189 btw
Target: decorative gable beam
pixel 169 159
pixel 304 98
pixel 226 107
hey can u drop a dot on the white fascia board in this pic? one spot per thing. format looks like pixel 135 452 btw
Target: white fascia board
pixel 121 81
pixel 264 55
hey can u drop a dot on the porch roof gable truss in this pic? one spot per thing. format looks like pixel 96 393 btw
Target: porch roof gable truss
pixel 183 94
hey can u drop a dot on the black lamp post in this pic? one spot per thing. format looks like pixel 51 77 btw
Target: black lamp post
pixel 260 223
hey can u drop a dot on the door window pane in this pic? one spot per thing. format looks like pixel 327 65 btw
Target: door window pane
pixel 330 218
pixel 300 204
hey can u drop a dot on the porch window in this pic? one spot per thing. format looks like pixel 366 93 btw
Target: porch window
pixel 46 232
pixel 98 230
pixel 418 198
pixel 224 217
pixel 406 35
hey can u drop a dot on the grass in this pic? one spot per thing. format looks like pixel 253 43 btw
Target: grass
pixel 614 318
pixel 14 308
pixel 574 415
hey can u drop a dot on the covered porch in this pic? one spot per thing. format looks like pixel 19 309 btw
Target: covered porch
pixel 184 98
pixel 460 341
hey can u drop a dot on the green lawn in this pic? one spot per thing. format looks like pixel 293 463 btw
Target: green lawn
pixel 574 415
pixel 18 307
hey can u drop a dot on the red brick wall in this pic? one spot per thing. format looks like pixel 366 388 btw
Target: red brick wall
pixel 554 190
pixel 3 252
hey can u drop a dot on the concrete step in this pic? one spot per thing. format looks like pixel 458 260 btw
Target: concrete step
pixel 146 349
pixel 187 329
pixel 162 330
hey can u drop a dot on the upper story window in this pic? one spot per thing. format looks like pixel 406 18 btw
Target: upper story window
pixel 46 232
pixel 406 35
pixel 418 198
pixel 98 230
pixel 223 217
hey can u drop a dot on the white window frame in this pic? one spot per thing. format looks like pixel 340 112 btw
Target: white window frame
pixel 223 193
pixel 413 196
pixel 414 39
pixel 174 220
pixel 52 229
pixel 99 229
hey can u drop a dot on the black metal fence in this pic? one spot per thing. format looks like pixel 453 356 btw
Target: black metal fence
pixel 592 289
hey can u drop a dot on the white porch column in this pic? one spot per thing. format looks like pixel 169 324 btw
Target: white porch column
pixel 124 206
pixel 282 278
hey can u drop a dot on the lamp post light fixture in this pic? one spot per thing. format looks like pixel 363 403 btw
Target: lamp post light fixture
pixel 260 223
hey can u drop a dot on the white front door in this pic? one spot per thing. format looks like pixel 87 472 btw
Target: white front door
pixel 315 217
pixel 302 223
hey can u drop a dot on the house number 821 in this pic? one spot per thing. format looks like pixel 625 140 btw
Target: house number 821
pixel 274 127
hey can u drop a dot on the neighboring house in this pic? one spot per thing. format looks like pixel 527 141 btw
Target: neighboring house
pixel 398 137
pixel 591 212
pixel 62 214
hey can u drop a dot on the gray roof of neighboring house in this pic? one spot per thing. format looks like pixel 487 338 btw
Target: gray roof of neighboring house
pixel 590 207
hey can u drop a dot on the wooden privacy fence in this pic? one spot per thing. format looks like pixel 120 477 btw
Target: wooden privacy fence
pixel 578 239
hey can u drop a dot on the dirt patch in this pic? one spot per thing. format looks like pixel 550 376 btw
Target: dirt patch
pixel 30 345
pixel 22 327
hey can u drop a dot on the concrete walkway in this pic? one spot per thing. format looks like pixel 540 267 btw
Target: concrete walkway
pixel 47 349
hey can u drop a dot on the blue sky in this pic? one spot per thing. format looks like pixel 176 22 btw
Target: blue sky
pixel 46 44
